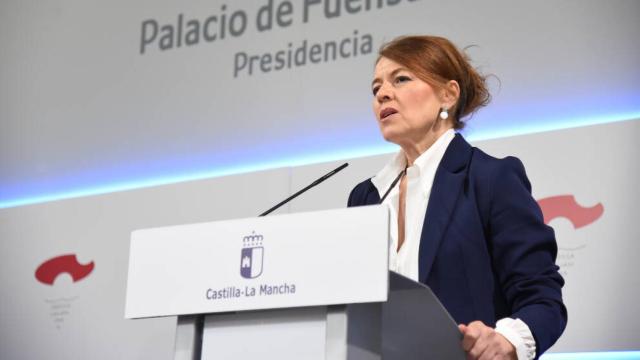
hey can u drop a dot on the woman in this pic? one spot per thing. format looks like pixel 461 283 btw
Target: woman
pixel 464 223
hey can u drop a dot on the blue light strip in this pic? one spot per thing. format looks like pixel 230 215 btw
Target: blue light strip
pixel 533 127
pixel 612 355
pixel 145 183
pixel 521 129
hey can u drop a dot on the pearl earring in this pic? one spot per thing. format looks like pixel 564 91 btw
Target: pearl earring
pixel 444 113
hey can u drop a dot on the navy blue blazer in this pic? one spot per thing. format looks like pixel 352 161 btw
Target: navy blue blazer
pixel 485 250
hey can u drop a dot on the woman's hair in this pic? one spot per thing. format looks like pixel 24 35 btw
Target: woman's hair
pixel 436 60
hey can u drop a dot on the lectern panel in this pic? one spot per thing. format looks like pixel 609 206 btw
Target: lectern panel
pixel 305 259
pixel 292 334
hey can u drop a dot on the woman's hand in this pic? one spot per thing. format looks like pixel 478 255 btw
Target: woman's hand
pixel 482 342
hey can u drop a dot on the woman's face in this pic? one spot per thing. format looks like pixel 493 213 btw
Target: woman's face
pixel 405 106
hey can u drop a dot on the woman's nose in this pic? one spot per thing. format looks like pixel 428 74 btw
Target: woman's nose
pixel 384 93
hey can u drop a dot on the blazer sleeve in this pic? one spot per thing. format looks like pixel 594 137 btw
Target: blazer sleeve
pixel 524 251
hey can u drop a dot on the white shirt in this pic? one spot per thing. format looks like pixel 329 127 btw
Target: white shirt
pixel 420 177
pixel 405 260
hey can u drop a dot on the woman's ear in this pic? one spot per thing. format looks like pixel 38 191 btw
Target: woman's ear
pixel 450 94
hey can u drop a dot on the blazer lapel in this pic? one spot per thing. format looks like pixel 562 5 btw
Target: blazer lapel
pixel 447 186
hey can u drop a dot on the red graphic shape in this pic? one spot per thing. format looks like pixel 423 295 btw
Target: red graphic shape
pixel 47 272
pixel 566 206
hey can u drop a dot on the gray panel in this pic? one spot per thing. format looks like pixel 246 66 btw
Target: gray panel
pixel 416 325
pixel 289 334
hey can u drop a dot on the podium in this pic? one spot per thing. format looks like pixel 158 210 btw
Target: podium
pixel 299 286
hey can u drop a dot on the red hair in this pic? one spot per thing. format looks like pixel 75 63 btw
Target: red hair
pixel 436 61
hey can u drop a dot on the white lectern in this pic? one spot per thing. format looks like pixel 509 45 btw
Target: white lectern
pixel 300 286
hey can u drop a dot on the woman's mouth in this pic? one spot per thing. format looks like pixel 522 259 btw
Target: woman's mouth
pixel 386 112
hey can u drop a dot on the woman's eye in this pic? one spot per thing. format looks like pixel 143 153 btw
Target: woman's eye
pixel 375 90
pixel 402 78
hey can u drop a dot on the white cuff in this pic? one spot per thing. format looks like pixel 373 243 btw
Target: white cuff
pixel 519 335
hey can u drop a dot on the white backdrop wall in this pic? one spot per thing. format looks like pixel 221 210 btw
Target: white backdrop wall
pixel 82 107
pixel 85 319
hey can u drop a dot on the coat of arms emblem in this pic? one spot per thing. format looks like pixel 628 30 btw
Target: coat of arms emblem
pixel 251 256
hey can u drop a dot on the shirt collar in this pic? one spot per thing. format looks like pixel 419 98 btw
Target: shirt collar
pixel 431 157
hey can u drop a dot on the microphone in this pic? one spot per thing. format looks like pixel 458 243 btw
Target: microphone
pixel 323 178
pixel 393 184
